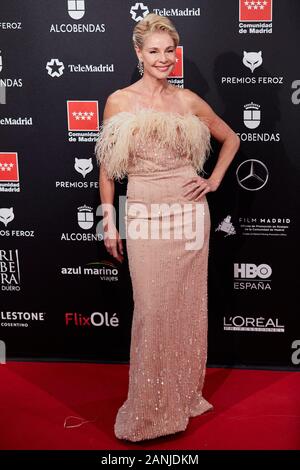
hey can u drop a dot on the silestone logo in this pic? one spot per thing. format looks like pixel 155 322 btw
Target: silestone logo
pixel 17 319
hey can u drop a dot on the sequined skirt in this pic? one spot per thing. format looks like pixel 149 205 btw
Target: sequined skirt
pixel 169 328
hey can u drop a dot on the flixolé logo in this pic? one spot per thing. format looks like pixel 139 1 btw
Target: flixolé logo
pixel 96 319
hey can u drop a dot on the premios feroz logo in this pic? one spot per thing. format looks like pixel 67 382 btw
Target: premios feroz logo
pixel 7 216
pixel 252 60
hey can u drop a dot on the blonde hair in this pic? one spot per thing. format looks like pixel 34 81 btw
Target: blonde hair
pixel 150 24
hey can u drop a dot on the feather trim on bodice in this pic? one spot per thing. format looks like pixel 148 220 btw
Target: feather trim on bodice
pixel 121 134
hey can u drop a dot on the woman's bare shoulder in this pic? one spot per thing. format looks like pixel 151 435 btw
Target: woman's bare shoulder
pixel 121 99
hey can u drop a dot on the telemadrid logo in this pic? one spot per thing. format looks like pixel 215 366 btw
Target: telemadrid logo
pixel 252 175
pixel 55 68
pixel 138 11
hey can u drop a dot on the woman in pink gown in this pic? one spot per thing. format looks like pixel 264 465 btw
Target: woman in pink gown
pixel 158 136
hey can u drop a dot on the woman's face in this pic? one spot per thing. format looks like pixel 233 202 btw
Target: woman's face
pixel 158 54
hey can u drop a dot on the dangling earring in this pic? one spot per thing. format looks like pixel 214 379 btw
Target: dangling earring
pixel 140 66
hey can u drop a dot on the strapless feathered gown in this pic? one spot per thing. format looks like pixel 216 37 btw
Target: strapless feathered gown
pixel 158 151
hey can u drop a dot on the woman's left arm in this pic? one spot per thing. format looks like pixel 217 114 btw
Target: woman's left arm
pixel 223 134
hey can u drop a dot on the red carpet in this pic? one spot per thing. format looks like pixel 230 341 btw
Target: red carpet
pixel 253 409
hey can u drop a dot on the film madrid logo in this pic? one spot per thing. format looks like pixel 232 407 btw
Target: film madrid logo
pixel 10 277
pixel 96 319
pixel 7 215
pixel 252 117
pixel 83 166
pixel 255 16
pixel 83 121
pixel 249 276
pixel 76 10
pixel 254 226
pixel 9 172
pixel 252 60
pixel 139 10
pixel 86 221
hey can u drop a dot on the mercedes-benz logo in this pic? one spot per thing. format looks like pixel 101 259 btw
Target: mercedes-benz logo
pixel 252 175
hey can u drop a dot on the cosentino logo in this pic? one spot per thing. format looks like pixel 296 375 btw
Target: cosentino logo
pixel 139 10
pixel 7 217
pixel 104 270
pixel 76 10
pixel 253 324
pixel 83 167
pixel 249 276
pixel 55 68
pixel 10 277
pixel 20 319
pixel 252 61
pixel 253 116
pixel 95 319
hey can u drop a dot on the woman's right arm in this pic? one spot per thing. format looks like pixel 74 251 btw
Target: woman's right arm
pixel 112 240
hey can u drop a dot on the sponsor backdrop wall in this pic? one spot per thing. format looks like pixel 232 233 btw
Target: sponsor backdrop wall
pixel 62 295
